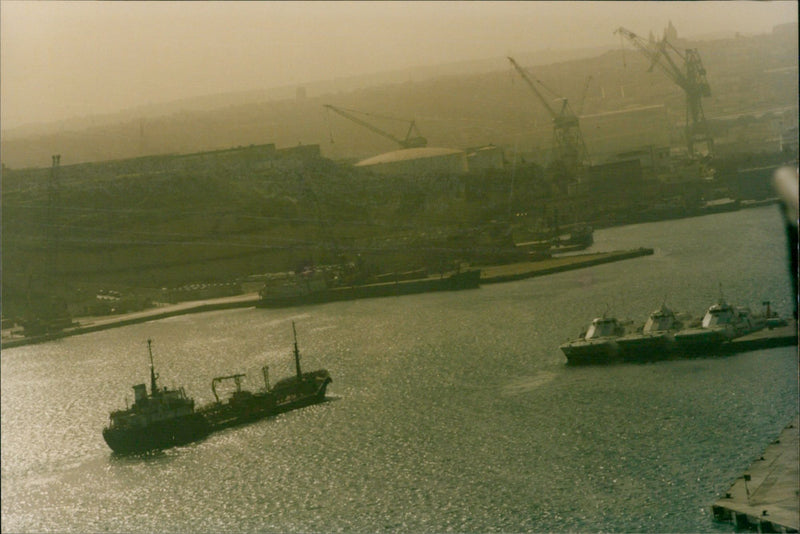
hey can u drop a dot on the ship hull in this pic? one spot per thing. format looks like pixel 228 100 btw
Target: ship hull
pixel 591 352
pixel 157 435
pixel 646 347
pixel 287 395
pixel 311 391
pixel 701 341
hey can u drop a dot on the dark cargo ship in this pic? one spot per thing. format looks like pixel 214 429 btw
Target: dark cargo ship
pixel 164 418
pixel 167 417
pixel 287 394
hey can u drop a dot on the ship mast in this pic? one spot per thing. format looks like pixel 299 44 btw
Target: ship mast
pixel 296 353
pixel 153 374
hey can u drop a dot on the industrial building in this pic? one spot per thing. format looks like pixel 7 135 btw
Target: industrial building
pixel 614 131
pixel 489 157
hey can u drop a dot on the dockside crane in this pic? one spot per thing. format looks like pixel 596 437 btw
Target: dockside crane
pixel 567 136
pixel 583 96
pixel 408 142
pixel 690 76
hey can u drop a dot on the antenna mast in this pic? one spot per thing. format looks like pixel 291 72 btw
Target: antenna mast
pixel 153 374
pixel 296 353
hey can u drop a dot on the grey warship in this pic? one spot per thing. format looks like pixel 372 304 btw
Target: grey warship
pixel 655 341
pixel 721 324
pixel 598 344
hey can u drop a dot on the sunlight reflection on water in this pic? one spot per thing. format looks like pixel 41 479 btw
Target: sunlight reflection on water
pixel 449 412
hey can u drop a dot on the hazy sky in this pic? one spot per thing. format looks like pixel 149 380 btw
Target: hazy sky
pixel 64 59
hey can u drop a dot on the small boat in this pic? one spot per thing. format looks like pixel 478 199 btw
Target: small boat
pixel 655 341
pixel 599 344
pixel 161 419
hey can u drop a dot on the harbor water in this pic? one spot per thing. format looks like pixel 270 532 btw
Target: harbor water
pixel 448 412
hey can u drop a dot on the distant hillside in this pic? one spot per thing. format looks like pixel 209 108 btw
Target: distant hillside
pixel 460 105
pixel 142 224
pixel 313 88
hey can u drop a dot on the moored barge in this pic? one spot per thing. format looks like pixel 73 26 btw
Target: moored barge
pixel 303 295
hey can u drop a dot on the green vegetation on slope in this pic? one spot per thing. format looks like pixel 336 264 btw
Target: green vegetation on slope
pixel 140 225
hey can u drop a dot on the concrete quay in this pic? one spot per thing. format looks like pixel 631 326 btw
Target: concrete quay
pixel 84 325
pixel 518 271
pixel 781 336
pixel 766 498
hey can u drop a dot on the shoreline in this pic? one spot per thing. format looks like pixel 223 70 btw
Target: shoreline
pixel 489 275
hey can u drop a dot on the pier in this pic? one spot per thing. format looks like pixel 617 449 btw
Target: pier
pixel 781 336
pixel 85 325
pixel 766 498
pixel 519 271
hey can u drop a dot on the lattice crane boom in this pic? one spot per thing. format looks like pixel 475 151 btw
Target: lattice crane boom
pixel 407 142
pixel 568 138
pixel 691 77
pixel 530 83
pixel 583 96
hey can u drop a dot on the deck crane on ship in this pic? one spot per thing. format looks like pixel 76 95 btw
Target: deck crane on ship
pixel 567 135
pixel 691 77
pixel 409 141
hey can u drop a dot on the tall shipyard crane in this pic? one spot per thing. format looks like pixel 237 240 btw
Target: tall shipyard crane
pixel 567 136
pixel 691 77
pixel 407 142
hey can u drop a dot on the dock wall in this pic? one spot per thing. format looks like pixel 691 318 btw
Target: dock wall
pixel 766 498
pixel 521 271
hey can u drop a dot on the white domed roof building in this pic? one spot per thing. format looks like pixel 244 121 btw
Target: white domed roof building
pixel 423 160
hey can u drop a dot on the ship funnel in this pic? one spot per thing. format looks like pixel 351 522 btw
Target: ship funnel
pixel 139 393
